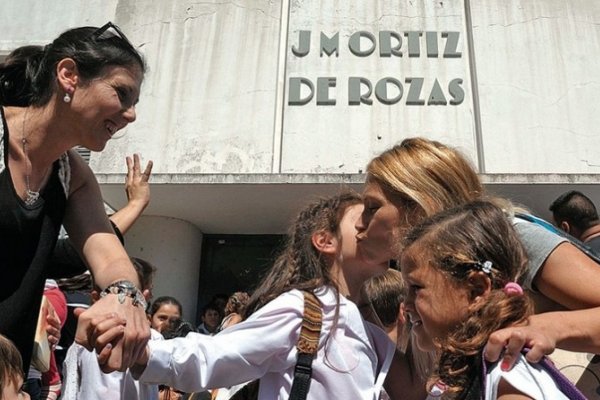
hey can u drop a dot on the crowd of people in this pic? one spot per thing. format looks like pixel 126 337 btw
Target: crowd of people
pixel 423 286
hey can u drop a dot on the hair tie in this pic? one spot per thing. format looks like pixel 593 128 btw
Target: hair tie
pixel 513 289
pixel 438 389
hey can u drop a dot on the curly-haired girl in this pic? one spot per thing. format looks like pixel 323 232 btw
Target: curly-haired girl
pixel 463 268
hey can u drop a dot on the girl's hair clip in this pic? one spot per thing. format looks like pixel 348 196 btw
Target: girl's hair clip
pixel 513 289
pixel 486 267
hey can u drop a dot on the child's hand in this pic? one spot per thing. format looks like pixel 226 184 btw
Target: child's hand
pixel 136 185
pixel 102 333
pixel 52 327
pixel 109 331
pixel 128 340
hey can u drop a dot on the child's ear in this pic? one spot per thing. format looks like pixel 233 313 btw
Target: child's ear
pixel 401 314
pixel 481 286
pixel 325 242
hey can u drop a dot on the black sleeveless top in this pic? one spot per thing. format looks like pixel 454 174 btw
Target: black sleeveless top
pixel 27 238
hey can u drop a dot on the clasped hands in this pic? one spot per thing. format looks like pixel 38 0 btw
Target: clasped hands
pixel 119 332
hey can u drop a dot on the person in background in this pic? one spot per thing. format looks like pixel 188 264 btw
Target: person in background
pixel 78 90
pixel 77 291
pixel 234 310
pixel 384 295
pixel 46 385
pixel 83 377
pixel 211 318
pixel 575 213
pixel 220 300
pixel 177 328
pixel 11 372
pixel 164 310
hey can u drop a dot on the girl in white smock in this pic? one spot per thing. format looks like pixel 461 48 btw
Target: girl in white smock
pixel 353 355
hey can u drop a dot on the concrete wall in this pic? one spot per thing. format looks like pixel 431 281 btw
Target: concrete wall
pixel 216 97
pixel 174 247
pixel 343 137
pixel 539 79
pixel 35 22
pixel 208 100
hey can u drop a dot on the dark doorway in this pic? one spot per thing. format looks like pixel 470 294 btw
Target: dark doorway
pixel 232 263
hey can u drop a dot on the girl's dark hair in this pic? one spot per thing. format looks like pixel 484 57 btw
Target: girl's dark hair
pixel 300 265
pixel 458 242
pixel 212 306
pixel 145 272
pixel 236 303
pixel 11 363
pixel 159 302
pixel 81 282
pixel 28 75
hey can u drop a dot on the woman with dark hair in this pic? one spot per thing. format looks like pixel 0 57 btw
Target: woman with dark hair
pixel 78 90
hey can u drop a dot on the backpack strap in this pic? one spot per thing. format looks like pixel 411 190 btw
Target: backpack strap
pixel 308 344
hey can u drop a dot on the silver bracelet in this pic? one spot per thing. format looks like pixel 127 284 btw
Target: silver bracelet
pixel 125 289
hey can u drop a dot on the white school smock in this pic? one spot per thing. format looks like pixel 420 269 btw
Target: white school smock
pixel 527 378
pixel 83 378
pixel 351 363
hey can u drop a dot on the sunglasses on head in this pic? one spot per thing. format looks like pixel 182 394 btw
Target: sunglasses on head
pixel 110 30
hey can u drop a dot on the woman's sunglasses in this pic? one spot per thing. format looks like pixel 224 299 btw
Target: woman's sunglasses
pixel 110 30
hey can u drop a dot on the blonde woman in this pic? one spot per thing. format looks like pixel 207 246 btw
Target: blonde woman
pixel 419 178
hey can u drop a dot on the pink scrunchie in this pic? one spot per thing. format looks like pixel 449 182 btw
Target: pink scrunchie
pixel 513 289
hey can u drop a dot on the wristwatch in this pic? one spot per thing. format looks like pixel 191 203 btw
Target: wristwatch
pixel 126 289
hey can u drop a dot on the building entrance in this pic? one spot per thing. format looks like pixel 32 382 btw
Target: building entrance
pixel 233 263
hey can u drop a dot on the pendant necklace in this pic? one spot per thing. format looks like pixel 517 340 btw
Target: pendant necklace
pixel 32 195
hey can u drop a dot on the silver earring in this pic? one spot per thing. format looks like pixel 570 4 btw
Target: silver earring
pixel 67 98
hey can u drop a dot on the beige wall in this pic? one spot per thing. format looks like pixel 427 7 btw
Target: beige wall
pixel 539 80
pixel 215 99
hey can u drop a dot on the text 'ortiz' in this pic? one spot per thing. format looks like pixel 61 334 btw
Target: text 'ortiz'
pixel 387 90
